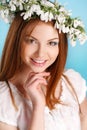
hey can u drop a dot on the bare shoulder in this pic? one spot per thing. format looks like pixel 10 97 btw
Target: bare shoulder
pixel 4 126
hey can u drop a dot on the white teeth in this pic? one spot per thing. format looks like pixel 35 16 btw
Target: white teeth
pixel 39 61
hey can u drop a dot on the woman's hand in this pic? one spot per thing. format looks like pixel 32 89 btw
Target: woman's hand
pixel 33 88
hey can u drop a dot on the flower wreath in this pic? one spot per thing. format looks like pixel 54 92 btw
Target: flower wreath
pixel 46 11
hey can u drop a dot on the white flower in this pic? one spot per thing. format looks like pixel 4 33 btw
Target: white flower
pixel 77 32
pixel 20 6
pixel 82 38
pixel 44 16
pixel 48 16
pixel 15 3
pixel 64 11
pixel 29 13
pixel 65 29
pixel 13 7
pixel 51 16
pixel 26 15
pixel 47 3
pixel 56 25
pixel 72 31
pixel 39 12
pixel 78 23
pixel 35 8
pixel 5 15
pixel 61 18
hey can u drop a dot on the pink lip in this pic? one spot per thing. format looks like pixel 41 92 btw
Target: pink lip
pixel 38 64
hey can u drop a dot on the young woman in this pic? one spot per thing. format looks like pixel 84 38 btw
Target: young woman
pixel 36 92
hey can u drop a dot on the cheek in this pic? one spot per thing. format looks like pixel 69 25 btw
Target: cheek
pixel 26 52
pixel 55 54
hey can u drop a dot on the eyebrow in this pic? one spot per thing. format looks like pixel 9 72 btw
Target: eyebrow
pixel 48 40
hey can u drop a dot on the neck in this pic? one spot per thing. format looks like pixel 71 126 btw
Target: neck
pixel 21 76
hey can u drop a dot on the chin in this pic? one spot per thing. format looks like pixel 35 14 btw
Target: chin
pixel 38 70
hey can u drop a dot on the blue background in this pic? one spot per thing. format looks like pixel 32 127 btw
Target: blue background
pixel 77 56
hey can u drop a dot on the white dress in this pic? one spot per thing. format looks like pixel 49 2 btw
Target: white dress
pixel 63 117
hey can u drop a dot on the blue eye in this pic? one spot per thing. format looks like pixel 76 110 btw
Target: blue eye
pixel 53 43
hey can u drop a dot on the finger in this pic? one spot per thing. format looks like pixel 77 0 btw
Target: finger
pixel 34 76
pixel 39 74
pixel 39 81
pixel 33 79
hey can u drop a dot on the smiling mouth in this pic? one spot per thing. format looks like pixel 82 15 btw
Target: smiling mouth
pixel 39 63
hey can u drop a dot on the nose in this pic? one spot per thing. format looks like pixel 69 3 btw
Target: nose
pixel 41 51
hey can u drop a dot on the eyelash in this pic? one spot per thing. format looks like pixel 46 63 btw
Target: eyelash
pixel 30 40
pixel 53 43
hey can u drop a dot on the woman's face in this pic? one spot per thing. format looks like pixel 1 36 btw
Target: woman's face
pixel 40 49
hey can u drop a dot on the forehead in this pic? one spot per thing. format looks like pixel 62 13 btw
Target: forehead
pixel 43 29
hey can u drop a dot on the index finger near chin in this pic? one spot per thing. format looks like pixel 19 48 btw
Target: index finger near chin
pixel 32 76
pixel 43 74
